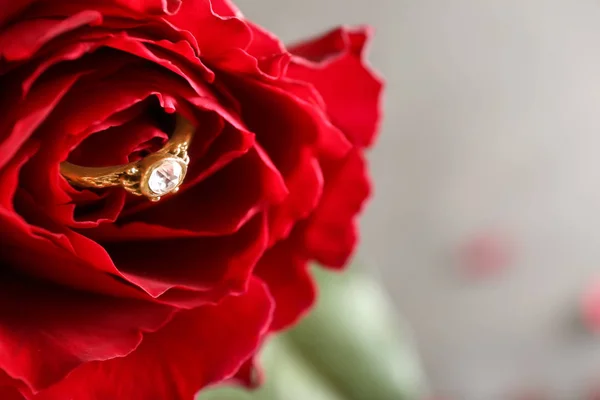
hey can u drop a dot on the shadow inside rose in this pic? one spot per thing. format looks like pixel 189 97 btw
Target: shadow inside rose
pixel 127 136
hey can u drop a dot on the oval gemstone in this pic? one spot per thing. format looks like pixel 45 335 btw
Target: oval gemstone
pixel 165 177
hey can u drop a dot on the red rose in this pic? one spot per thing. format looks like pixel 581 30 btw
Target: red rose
pixel 108 296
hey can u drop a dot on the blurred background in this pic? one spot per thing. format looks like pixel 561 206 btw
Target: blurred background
pixel 485 227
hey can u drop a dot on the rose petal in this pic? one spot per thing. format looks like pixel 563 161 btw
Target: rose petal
pixel 9 387
pixel 334 64
pixel 21 40
pixel 117 17
pixel 29 114
pixel 11 8
pixel 230 144
pixel 10 393
pixel 240 62
pixel 130 8
pixel 47 330
pixel 225 8
pixel 217 265
pixel 264 44
pixel 198 17
pixel 9 175
pixel 243 47
pixel 99 210
pixel 285 271
pixel 198 348
pixel 78 262
pixel 190 68
pixel 302 122
pixel 305 184
pixel 151 6
pixel 331 233
pixel 24 245
pixel 119 143
pixel 174 52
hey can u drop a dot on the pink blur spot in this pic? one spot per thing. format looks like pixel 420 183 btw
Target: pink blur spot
pixel 486 254
pixel 590 310
pixel 594 394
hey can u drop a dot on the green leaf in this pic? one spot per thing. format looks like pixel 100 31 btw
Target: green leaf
pixel 289 377
pixel 351 347
pixel 354 339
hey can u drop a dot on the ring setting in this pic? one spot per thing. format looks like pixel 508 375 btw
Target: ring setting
pixel 154 176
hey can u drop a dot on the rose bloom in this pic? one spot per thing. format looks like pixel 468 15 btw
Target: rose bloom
pixel 105 295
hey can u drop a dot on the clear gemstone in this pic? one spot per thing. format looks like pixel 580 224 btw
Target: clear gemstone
pixel 165 177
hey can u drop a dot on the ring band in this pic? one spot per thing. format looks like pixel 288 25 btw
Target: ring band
pixel 153 176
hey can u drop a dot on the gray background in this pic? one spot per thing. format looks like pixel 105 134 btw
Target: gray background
pixel 492 125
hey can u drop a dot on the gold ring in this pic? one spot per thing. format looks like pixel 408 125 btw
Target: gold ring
pixel 153 176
